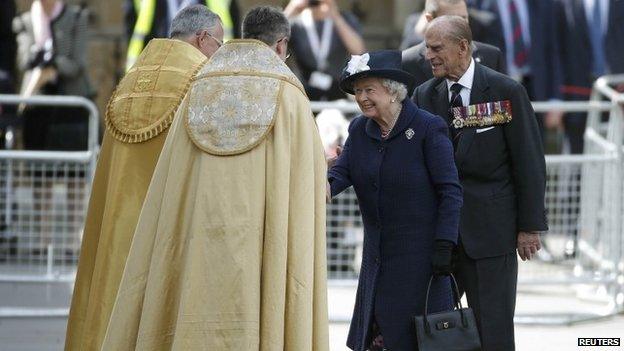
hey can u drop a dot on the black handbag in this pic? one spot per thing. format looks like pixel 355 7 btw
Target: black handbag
pixel 454 330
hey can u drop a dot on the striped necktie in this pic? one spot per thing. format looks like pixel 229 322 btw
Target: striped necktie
pixel 456 101
pixel 595 31
pixel 520 51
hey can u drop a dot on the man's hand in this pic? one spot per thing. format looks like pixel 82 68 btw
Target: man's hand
pixel 554 120
pixel 332 8
pixel 528 245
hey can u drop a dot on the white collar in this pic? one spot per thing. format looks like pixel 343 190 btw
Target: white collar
pixel 466 80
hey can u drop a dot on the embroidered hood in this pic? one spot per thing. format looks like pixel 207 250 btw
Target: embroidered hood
pixel 234 98
pixel 146 99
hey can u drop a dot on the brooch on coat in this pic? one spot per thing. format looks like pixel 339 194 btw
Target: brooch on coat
pixel 409 133
pixel 482 115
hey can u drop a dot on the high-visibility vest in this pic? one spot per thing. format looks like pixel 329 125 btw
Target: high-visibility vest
pixel 222 8
pixel 145 20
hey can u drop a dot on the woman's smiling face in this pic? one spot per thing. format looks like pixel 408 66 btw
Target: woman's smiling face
pixel 372 97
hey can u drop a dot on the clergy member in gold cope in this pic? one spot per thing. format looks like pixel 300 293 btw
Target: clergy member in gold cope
pixel 138 117
pixel 229 250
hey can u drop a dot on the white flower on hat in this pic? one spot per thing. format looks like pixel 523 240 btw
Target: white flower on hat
pixel 358 63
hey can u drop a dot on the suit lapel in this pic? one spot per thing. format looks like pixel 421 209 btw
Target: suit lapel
pixel 440 100
pixel 478 94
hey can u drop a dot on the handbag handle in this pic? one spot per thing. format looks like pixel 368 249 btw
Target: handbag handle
pixel 456 303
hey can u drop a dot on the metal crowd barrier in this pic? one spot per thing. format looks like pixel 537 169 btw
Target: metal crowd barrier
pixel 43 201
pixel 582 257
pixel 44 195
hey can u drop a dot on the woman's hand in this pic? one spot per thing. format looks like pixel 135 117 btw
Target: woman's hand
pixel 332 160
pixel 442 258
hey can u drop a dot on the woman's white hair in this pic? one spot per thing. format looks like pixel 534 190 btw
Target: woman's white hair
pixel 395 88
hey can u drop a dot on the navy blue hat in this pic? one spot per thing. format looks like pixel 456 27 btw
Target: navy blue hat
pixel 382 64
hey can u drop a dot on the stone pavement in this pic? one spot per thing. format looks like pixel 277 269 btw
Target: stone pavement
pixel 47 333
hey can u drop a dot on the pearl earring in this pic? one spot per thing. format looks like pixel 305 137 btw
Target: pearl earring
pixel 393 100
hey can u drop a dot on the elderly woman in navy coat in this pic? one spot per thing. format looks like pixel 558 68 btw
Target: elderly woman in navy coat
pixel 399 160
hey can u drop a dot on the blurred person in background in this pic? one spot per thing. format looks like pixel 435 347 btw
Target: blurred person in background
pixel 52 54
pixel 334 129
pixel 589 36
pixel 229 249
pixel 137 122
pixel 342 240
pixel 323 37
pixel 148 19
pixel 8 50
pixel 399 160
pixel 526 28
pixel 414 60
pixel 483 25
pixel 590 42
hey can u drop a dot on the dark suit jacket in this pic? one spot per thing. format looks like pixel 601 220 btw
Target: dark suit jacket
pixel 542 60
pixel 502 170
pixel 484 26
pixel 574 46
pixel 414 60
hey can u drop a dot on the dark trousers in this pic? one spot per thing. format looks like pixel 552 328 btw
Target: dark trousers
pixel 490 286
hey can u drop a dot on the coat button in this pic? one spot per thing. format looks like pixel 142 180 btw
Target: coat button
pixel 375 185
pixel 377 260
pixel 380 149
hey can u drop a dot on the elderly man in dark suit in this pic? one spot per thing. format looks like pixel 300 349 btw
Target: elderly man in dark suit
pixel 414 60
pixel 501 166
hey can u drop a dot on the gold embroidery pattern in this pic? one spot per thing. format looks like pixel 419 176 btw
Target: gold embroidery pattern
pixel 234 97
pixel 247 56
pixel 145 82
pixel 146 99
pixel 240 115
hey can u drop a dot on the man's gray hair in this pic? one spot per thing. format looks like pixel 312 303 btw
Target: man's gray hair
pixel 395 88
pixel 267 24
pixel 433 6
pixel 192 19
pixel 454 28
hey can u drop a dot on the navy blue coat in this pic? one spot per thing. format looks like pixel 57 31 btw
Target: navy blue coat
pixel 409 195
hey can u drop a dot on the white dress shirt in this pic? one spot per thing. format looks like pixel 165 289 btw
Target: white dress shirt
pixel 466 82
